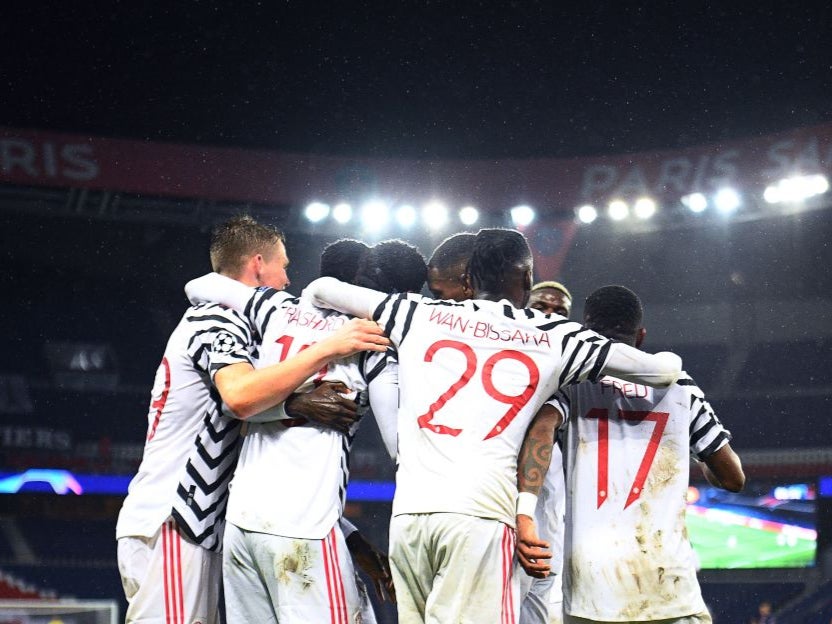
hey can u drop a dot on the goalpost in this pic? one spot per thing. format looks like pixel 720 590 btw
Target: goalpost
pixel 59 611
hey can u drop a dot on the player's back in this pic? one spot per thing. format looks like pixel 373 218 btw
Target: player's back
pixel 291 475
pixel 472 376
pixel 627 449
pixel 191 446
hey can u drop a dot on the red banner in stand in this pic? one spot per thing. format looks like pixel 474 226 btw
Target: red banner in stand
pixel 35 158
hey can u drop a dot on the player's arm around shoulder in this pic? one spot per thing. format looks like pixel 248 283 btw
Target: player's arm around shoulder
pixel 532 465
pixel 659 370
pixel 247 390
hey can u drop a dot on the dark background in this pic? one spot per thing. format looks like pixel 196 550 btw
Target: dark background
pixel 433 80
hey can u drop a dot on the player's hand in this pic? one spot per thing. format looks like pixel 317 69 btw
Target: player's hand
pixel 532 552
pixel 375 565
pixel 326 405
pixel 355 336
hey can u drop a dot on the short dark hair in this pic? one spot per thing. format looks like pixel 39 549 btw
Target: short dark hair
pixel 454 250
pixel 497 253
pixel 615 312
pixel 236 240
pixel 342 258
pixel 392 266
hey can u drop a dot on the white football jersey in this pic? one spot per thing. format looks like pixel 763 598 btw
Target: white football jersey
pixel 472 376
pixel 627 453
pixel 292 475
pixel 551 505
pixel 192 446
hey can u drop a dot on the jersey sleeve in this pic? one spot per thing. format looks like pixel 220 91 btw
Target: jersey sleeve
pixel 561 402
pixel 328 292
pixel 707 435
pixel 220 337
pixel 584 354
pixel 256 304
pixel 395 315
pixel 382 375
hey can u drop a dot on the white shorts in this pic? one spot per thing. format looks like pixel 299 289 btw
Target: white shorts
pixel 453 568
pixel 698 618
pixel 542 602
pixel 270 578
pixel 168 579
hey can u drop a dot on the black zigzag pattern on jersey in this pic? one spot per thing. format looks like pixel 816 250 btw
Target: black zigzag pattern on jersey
pixel 408 321
pixel 218 435
pixel 211 461
pixel 380 308
pixel 194 507
pixel 391 321
pixel 203 485
pixel 200 538
pixel 529 313
pixel 685 381
pixel 552 325
pixel 568 368
pixel 600 361
pixel 713 446
pixel 508 311
pixel 442 302
pixel 346 445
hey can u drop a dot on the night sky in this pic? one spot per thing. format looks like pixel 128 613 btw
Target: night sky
pixel 465 79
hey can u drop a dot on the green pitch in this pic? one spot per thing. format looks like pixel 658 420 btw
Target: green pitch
pixel 721 546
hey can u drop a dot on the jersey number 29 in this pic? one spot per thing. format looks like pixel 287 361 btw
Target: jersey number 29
pixel 515 402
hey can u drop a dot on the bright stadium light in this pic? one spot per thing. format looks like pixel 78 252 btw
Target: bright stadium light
pixel 522 215
pixel 406 215
pixel 727 200
pixel 587 213
pixel 796 189
pixel 316 211
pixel 644 208
pixel 342 213
pixel 435 214
pixel 375 214
pixel 618 210
pixel 469 215
pixel 695 202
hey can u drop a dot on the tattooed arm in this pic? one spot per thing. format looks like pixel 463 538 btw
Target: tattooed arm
pixel 532 465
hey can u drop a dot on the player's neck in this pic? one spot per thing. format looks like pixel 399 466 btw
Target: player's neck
pixel 516 299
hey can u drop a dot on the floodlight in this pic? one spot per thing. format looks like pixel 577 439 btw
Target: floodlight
pixel 342 212
pixel 696 202
pixel 618 210
pixel 316 211
pixel 644 208
pixel 375 214
pixel 522 215
pixel 435 214
pixel 406 215
pixel 587 214
pixel 727 200
pixel 796 189
pixel 469 215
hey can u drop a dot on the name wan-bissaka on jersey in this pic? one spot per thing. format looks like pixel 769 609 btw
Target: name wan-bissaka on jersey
pixel 482 329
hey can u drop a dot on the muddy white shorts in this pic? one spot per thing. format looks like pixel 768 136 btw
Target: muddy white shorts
pixel 168 579
pixel 272 578
pixel 453 568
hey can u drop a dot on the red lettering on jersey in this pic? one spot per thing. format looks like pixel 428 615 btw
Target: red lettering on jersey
pixel 159 403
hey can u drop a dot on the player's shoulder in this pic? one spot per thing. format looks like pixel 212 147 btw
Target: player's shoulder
pixel 688 385
pixel 265 295
pixel 210 311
